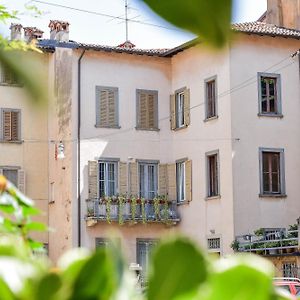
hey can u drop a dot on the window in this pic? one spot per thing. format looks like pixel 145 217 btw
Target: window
pixel 269 94
pixel 107 178
pixel 211 98
pixel 107 107
pixel 15 175
pixel 212 174
pixel 148 180
pixel 105 242
pixel 180 181
pixel 289 269
pixel 213 243
pixel 147 110
pixel 271 171
pixel 7 77
pixel 11 124
pixel 144 248
pixel 180 109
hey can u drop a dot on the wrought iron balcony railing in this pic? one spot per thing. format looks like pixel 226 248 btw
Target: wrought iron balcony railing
pixel 122 210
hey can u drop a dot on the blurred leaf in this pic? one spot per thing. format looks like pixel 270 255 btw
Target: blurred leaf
pixel 242 277
pixel 35 226
pixel 30 211
pixel 7 208
pixel 48 287
pixel 209 19
pixel 5 292
pixel 178 269
pixel 98 278
pixel 35 244
pixel 5 14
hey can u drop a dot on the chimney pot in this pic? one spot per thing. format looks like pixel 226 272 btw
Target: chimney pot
pixel 15 31
pixel 59 30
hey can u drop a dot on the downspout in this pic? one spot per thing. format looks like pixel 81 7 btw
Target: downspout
pixel 78 147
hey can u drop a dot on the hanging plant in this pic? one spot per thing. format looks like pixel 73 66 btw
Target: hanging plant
pixel 144 218
pixel 108 209
pixel 121 200
pixel 133 208
pixel 156 202
pixel 166 209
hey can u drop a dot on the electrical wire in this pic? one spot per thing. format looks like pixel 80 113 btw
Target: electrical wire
pixel 107 15
pixel 245 83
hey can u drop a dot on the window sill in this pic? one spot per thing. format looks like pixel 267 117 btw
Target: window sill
pixel 272 195
pixel 108 127
pixel 180 128
pixel 280 116
pixel 213 197
pixel 211 118
pixel 11 84
pixel 185 202
pixel 147 129
pixel 11 142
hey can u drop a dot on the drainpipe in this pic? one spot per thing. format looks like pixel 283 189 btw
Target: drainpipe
pixel 78 146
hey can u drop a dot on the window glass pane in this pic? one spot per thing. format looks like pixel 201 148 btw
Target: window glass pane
pixel 268 95
pixel 11 175
pixel 213 175
pixel 275 183
pixel 211 99
pixel 180 109
pixel 263 87
pixel 180 177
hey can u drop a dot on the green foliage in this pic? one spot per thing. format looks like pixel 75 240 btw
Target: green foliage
pixel 209 20
pixel 143 209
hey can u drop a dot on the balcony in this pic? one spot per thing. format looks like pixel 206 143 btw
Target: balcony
pixel 283 242
pixel 133 211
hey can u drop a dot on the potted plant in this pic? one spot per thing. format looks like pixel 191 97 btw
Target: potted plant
pixel 235 245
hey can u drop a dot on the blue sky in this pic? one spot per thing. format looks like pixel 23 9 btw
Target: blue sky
pixel 97 29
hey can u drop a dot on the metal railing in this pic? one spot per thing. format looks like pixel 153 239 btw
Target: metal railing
pixel 285 241
pixel 138 211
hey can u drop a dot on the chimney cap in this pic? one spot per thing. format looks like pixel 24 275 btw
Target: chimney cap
pixel 15 25
pixel 54 22
pixel 32 30
pixel 126 45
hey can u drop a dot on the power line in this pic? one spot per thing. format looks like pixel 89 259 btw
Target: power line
pixel 106 15
pixel 241 85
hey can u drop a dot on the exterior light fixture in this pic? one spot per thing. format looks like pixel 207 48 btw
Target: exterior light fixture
pixel 60 150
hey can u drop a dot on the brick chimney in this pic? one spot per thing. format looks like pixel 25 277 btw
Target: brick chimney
pixel 59 30
pixel 15 31
pixel 32 33
pixel 284 13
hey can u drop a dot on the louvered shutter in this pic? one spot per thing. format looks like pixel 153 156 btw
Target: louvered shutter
pixel 14 126
pixel 187 108
pixel 151 111
pixel 162 183
pixel 134 179
pixel 188 180
pixel 93 179
pixel 21 181
pixel 172 112
pixel 142 110
pixel 171 170
pixel 122 178
pixel 111 100
pixel 103 107
pixel 7 125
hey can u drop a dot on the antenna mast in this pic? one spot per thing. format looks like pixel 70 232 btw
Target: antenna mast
pixel 126 18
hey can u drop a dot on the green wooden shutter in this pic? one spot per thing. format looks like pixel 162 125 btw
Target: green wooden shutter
pixel 172 112
pixel 93 179
pixel 187 108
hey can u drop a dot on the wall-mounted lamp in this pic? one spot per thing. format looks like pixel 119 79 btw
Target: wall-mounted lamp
pixel 60 150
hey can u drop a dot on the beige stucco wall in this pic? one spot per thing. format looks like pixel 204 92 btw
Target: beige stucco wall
pixel 251 211
pixel 202 218
pixel 32 153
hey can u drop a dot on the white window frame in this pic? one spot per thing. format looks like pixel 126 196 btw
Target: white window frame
pixel 10 168
pixel 179 108
pixel 106 164
pixel 180 180
pixel 146 191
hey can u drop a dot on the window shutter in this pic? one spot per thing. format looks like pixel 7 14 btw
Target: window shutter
pixel 21 181
pixel 7 125
pixel 103 108
pixel 143 110
pixel 93 179
pixel 151 111
pixel 133 179
pixel 162 189
pixel 112 120
pixel 188 180
pixel 171 170
pixel 122 178
pixel 14 125
pixel 187 108
pixel 172 112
